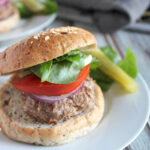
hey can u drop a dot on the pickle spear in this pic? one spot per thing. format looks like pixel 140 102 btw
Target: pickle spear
pixel 113 71
pixel 34 6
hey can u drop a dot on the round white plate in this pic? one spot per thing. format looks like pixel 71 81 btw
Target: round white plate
pixel 125 117
pixel 27 27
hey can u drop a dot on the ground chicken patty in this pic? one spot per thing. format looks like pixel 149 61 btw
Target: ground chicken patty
pixel 6 10
pixel 83 100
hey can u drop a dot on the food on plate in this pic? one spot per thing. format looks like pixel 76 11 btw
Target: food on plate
pixel 54 94
pixel 50 63
pixel 9 15
pixel 28 8
pixel 115 72
pixel 110 67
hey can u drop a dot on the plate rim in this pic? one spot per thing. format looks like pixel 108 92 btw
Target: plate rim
pixel 146 118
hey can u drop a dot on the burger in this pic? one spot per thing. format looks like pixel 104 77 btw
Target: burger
pixel 50 98
pixel 9 15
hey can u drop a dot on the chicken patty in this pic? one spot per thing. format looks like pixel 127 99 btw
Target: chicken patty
pixel 82 101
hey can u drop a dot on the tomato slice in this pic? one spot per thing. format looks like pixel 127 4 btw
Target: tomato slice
pixel 32 84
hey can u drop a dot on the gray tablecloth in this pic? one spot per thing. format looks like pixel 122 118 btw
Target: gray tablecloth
pixel 108 15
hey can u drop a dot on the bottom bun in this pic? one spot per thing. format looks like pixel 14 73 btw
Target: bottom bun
pixel 10 22
pixel 20 127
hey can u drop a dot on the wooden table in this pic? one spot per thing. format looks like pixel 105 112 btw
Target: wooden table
pixel 140 45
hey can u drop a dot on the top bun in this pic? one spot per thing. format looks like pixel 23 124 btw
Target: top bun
pixel 43 47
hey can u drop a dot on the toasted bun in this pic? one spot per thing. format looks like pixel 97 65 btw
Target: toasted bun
pixel 20 127
pixel 10 22
pixel 43 47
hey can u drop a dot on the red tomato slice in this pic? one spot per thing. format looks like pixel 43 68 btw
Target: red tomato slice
pixel 32 84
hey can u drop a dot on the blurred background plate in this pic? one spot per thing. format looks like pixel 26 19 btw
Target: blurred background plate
pixel 27 27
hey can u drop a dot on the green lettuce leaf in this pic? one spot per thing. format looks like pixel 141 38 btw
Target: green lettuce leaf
pixel 102 79
pixel 75 54
pixel 62 70
pixel 128 64
pixel 50 7
pixel 43 70
pixel 46 70
pixel 109 52
pixel 23 10
pixel 94 64
pixel 28 8
pixel 24 73
pixel 65 69
pixel 104 85
pixel 63 73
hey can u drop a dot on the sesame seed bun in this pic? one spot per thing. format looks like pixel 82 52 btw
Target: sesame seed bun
pixel 36 49
pixel 43 47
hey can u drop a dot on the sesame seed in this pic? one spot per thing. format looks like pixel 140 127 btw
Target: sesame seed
pixel 47 38
pixel 31 42
pixel 35 37
pixel 54 32
pixel 75 32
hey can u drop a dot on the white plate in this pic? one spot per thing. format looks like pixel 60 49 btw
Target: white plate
pixel 27 27
pixel 125 117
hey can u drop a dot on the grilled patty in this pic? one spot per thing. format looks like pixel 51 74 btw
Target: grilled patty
pixel 83 100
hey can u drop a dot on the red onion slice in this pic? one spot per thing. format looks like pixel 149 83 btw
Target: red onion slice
pixel 53 99
pixel 3 2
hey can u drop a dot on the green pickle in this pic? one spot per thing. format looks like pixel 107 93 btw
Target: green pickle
pixel 113 71
pixel 34 6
